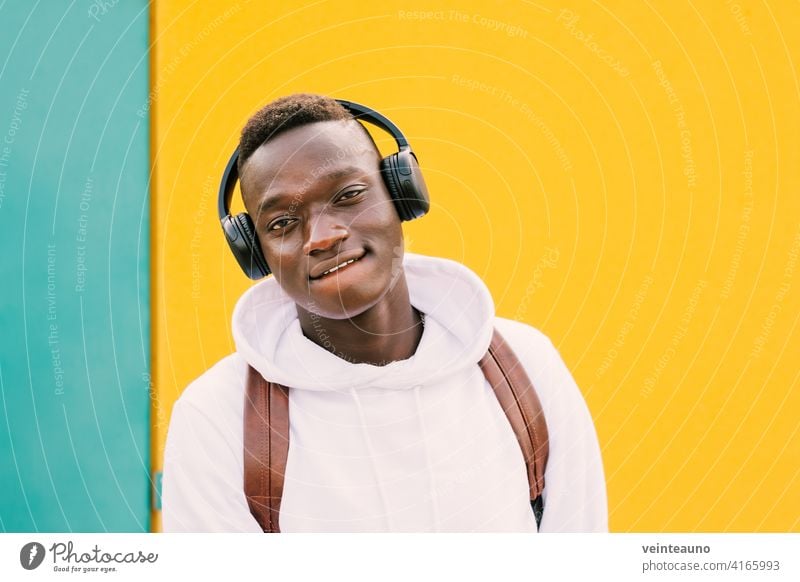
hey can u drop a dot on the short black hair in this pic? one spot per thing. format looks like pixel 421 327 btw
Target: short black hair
pixel 286 113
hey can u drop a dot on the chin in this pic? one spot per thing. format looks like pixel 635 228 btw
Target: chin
pixel 346 303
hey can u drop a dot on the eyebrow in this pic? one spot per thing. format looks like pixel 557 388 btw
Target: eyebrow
pixel 269 203
pixel 282 197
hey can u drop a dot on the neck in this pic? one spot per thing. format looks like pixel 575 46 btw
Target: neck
pixel 387 332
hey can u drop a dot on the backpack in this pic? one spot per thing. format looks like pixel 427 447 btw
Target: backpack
pixel 266 432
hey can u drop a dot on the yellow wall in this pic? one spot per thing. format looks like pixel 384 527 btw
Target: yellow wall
pixel 623 177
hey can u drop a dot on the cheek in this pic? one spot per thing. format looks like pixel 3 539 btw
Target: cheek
pixel 381 223
pixel 282 256
pixel 385 238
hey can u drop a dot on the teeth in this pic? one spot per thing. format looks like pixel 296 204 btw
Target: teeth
pixel 337 267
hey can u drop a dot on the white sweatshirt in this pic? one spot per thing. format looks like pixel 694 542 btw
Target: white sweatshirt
pixel 418 445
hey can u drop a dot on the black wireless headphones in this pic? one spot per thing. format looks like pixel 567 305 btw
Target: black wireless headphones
pixel 400 173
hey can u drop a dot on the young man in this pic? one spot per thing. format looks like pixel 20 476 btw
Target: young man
pixel 392 424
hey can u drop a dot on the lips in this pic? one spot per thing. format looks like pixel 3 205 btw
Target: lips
pixel 338 262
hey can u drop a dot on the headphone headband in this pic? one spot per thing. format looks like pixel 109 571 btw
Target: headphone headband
pixel 358 111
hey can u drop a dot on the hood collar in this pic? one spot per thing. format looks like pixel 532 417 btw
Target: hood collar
pixel 459 318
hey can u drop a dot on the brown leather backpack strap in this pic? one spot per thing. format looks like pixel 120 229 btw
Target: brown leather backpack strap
pixel 266 448
pixel 519 401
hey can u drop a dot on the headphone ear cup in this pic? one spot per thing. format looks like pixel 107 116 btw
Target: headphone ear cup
pixel 254 255
pixel 405 184
pixel 240 234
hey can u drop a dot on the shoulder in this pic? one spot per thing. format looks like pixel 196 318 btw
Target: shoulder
pixel 215 397
pixel 522 335
pixel 221 381
pixel 541 361
pixel 532 347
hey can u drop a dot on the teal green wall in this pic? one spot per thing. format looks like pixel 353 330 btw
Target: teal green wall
pixel 74 300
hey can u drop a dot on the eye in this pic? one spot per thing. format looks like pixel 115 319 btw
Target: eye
pixel 280 223
pixel 350 194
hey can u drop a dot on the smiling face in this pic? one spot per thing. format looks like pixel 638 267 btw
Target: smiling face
pixel 326 223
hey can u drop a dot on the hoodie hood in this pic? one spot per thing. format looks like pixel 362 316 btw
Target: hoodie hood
pixel 459 319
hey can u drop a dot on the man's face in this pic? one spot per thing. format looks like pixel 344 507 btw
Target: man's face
pixel 317 200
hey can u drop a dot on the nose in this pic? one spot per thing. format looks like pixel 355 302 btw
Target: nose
pixel 324 232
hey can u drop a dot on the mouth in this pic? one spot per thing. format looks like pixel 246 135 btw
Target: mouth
pixel 343 264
